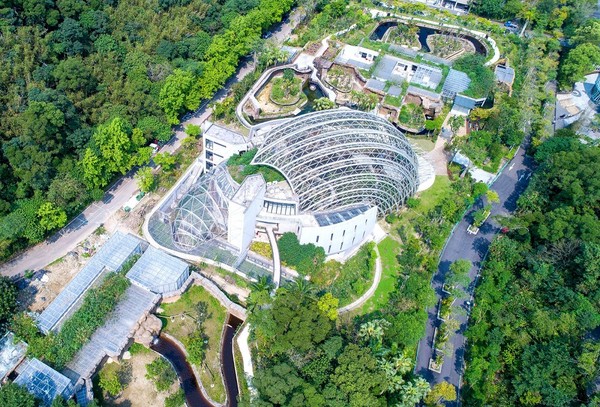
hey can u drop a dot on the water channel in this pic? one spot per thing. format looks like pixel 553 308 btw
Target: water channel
pixel 423 33
pixel 193 395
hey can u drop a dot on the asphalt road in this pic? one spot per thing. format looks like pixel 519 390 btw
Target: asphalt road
pixel 65 240
pixel 509 185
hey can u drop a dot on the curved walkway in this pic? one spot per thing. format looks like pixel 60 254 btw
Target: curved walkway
pixel 363 298
pixel 276 259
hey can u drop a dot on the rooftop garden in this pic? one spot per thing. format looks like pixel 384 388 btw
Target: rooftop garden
pixel 406 35
pixel 482 77
pixel 286 89
pixel 239 168
pixel 412 115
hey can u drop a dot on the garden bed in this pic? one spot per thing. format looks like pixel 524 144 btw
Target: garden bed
pixel 412 117
pixel 286 92
pixel 340 78
pixel 448 46
pixel 405 35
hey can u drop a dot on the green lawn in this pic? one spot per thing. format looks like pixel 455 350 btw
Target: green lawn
pixel 388 250
pixel 210 371
pixel 389 247
pixel 423 143
pixel 393 101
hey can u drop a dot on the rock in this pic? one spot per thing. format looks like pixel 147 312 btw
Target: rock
pixel 148 329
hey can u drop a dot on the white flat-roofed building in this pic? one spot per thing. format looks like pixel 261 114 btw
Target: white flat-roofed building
pixel 220 143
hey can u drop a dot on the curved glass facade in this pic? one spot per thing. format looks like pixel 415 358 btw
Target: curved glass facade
pixel 338 158
pixel 202 213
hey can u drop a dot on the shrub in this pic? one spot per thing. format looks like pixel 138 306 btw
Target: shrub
pixel 305 258
pixel 109 380
pixel 161 373
pixel 176 399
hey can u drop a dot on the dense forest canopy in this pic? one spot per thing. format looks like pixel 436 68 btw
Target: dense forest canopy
pixel 86 85
pixel 532 338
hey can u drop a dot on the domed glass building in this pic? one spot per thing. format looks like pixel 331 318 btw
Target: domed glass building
pixel 334 159
pixel 342 169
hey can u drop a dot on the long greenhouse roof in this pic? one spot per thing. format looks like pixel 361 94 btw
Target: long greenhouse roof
pixel 113 336
pixel 157 271
pixel 110 256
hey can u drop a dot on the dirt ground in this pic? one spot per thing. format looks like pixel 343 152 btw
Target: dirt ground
pixel 141 392
pixel 41 291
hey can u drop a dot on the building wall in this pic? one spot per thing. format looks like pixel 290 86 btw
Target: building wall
pixel 241 221
pixel 341 236
pixel 216 151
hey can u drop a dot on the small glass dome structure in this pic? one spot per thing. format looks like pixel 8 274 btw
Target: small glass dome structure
pixel 335 159
pixel 202 213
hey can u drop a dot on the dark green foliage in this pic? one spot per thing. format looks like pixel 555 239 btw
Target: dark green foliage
pixel 545 282
pixel 482 77
pixel 304 360
pixel 161 373
pixel 12 395
pixel 176 399
pixel 70 66
pixel 305 258
pixel 8 301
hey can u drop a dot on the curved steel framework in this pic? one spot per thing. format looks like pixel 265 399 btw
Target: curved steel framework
pixel 337 158
pixel 202 213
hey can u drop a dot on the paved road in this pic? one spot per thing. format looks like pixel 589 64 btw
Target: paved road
pixel 96 214
pixel 509 185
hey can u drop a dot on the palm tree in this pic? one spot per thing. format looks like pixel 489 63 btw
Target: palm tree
pixel 262 284
pixel 302 287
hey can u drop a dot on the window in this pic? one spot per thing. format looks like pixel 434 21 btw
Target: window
pixel 344 233
pixel 331 237
pixel 329 250
pixel 209 145
pixel 355 226
pixel 317 241
pixel 342 244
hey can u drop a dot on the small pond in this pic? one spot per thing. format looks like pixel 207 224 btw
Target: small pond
pixel 423 33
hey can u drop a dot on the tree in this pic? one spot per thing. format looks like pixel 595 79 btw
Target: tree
pixel 51 217
pixel 165 160
pixel 441 392
pixel 589 33
pixel 480 215
pixel 358 375
pixel 175 94
pixel 12 395
pixel 161 372
pixel 328 304
pixel 145 179
pixel 193 130
pixel 323 103
pixel 580 61
pixel 364 101
pixel 176 399
pixel 492 196
pixel 109 380
pixel 459 273
pixel 154 128
pixel 8 300
pixel 455 123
